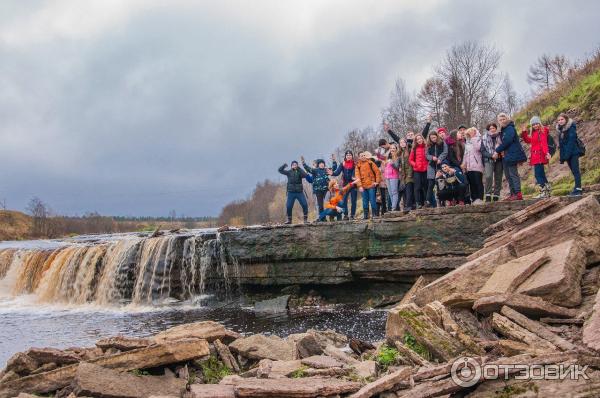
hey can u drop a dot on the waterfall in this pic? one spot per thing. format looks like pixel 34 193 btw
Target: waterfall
pixel 131 269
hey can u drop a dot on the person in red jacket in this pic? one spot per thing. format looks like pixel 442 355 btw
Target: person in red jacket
pixel 537 137
pixel 418 161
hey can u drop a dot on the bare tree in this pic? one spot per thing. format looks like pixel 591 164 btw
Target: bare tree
pixel 40 213
pixel 359 140
pixel 172 215
pixel 472 66
pixel 509 100
pixel 402 113
pixel 3 204
pixel 433 98
pixel 548 71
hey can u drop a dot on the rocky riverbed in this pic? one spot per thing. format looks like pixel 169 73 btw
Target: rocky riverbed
pixel 529 299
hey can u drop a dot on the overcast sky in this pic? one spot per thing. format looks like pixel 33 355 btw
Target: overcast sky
pixel 140 107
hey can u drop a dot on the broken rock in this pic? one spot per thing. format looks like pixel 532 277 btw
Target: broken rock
pixel 207 330
pixel 123 343
pixel 259 346
pixel 534 307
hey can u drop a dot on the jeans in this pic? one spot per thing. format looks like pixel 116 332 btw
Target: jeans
pixel 574 166
pixel 320 201
pixel 475 184
pixel 540 174
pixel 420 179
pixel 392 184
pixel 492 176
pixel 291 198
pixel 330 212
pixel 409 196
pixel 353 195
pixel 511 172
pixel 369 196
pixel 430 194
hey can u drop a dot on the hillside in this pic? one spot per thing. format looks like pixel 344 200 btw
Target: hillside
pixel 578 96
pixel 14 225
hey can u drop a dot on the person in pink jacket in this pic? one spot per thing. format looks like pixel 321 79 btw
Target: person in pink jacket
pixel 392 175
pixel 472 165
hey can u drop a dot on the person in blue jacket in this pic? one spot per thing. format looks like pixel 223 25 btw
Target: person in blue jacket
pixel 346 169
pixel 295 191
pixel 320 182
pixel 513 155
pixel 569 149
pixel 451 184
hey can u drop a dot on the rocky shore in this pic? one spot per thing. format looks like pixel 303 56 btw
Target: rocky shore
pixel 529 297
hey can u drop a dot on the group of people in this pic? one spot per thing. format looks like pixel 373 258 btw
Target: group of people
pixel 435 168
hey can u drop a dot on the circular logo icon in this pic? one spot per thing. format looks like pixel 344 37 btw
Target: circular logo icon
pixel 465 372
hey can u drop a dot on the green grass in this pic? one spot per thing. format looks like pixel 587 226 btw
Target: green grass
pixel 214 370
pixel 299 373
pixel 387 356
pixel 139 372
pixel 413 344
pixel 584 96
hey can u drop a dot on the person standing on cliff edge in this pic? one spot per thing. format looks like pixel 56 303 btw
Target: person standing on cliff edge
pixel 295 190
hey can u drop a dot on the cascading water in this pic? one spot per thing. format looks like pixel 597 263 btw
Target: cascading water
pixel 133 270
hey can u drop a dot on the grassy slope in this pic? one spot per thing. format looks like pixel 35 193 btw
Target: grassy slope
pixel 580 98
pixel 14 225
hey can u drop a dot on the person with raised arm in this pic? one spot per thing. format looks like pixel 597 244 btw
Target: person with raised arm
pixel 335 206
pixel 320 177
pixel 347 169
pixel 295 191
pixel 536 135
pixel 418 161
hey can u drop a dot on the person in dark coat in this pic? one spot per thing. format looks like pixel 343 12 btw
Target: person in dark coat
pixel 513 155
pixel 452 184
pixel 320 183
pixel 346 169
pixel 295 191
pixel 569 149
pixel 387 128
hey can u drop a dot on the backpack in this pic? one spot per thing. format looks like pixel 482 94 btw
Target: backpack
pixel 551 145
pixel 580 146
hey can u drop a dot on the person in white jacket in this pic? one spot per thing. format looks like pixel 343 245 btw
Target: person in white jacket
pixel 472 165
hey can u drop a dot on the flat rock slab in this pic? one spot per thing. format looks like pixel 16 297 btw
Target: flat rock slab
pixel 259 346
pixel 533 307
pixel 591 328
pixel 273 306
pixel 321 362
pixel 306 387
pixel 123 343
pixel 212 391
pixel 384 383
pixel 207 330
pixel 95 381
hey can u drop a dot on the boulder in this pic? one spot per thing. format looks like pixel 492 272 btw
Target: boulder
pixel 321 362
pixel 410 355
pixel 49 355
pixel 411 319
pixel 384 383
pixel 123 343
pixel 508 328
pixel 552 273
pixel 211 391
pixel 142 358
pixel 278 369
pixel 293 388
pixel 591 328
pixel 207 330
pixel 340 355
pixel 366 369
pixel 96 381
pixel 45 368
pixel 308 346
pixel 272 306
pixel 537 328
pixel 534 307
pixel 21 363
pixel 226 356
pixel 259 346
pixel 360 346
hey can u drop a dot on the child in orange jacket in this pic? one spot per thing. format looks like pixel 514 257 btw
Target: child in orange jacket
pixel 335 206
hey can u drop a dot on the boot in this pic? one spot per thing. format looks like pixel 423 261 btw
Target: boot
pixel 305 219
pixel 346 217
pixel 519 196
pixel 542 192
pixel 488 198
pixel 289 220
pixel 548 189
pixel 576 192
pixel 495 198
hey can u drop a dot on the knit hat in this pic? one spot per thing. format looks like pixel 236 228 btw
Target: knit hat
pixel 348 152
pixel 294 161
pixel 319 161
pixel 535 120
pixel 462 126
pixel 442 130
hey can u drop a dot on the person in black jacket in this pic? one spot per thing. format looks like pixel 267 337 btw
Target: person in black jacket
pixel 295 190
pixel 387 128
pixel 570 150
pixel 512 157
